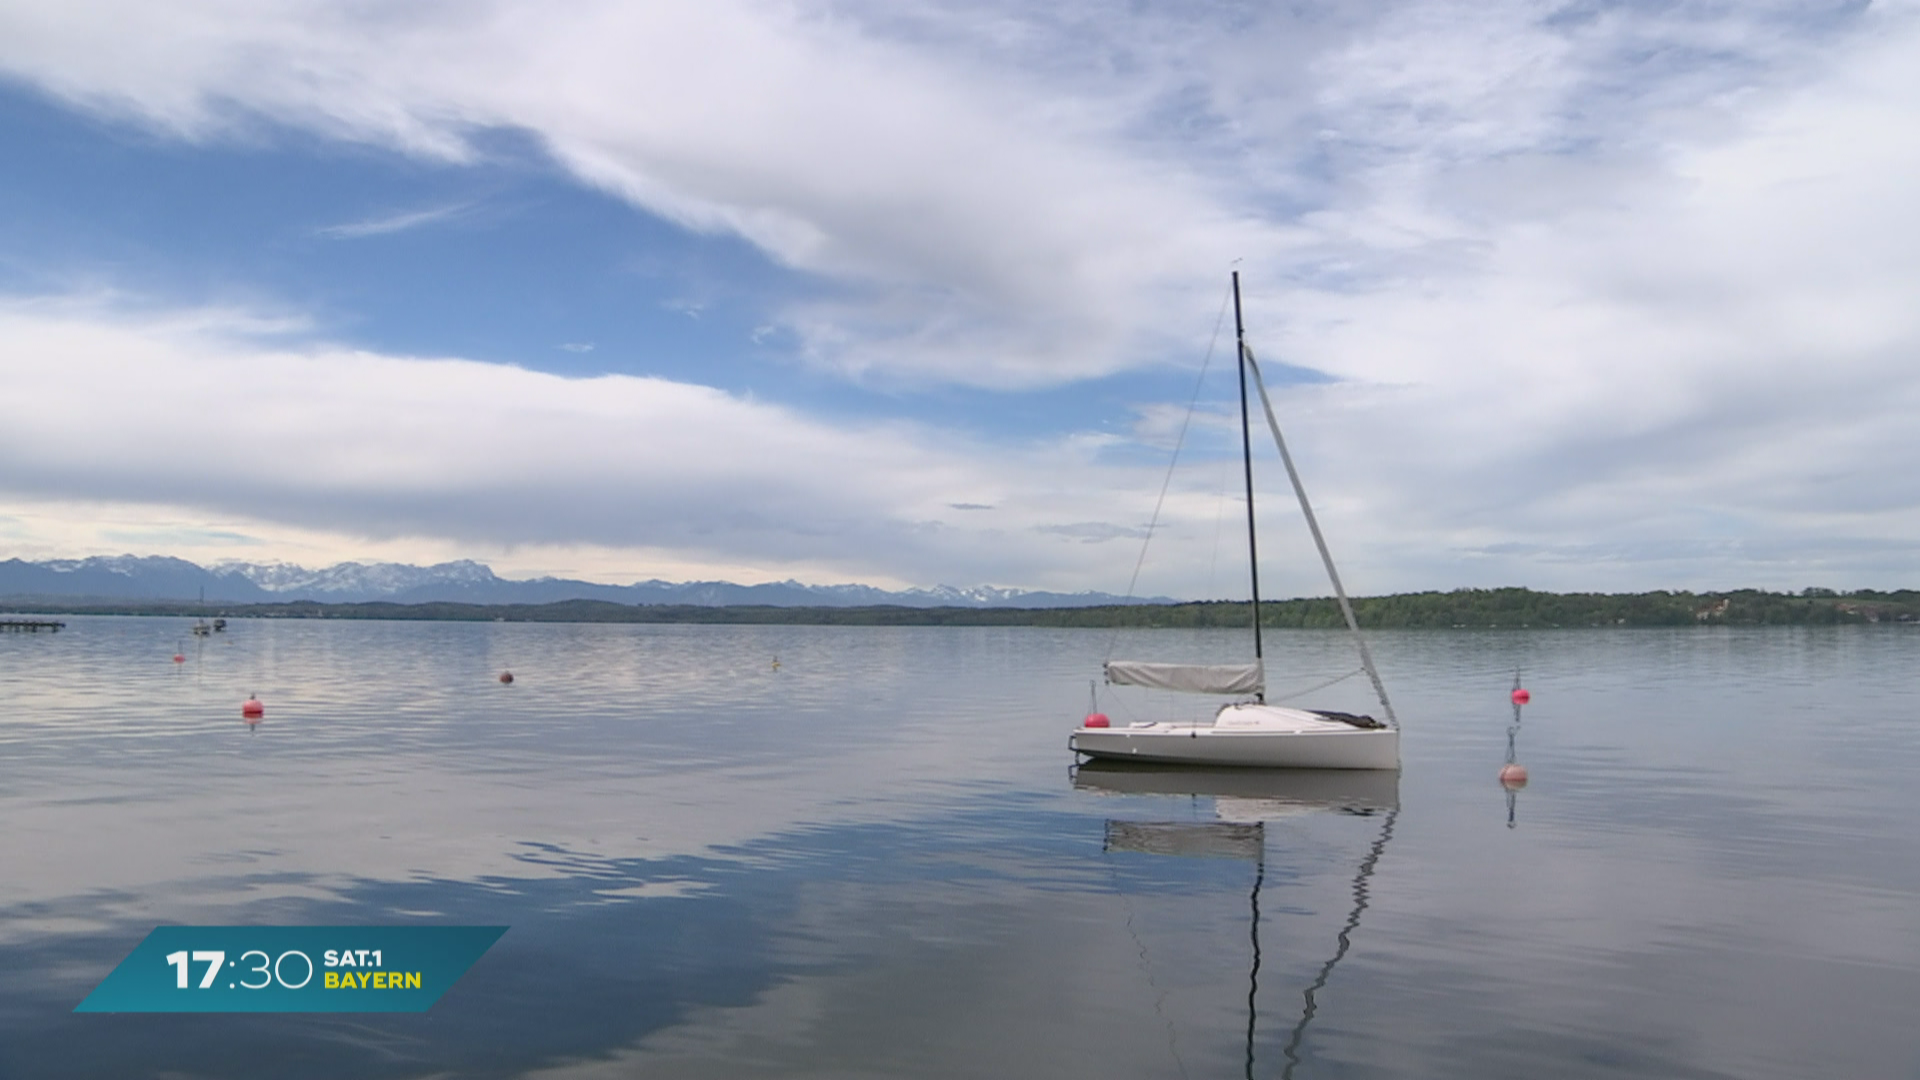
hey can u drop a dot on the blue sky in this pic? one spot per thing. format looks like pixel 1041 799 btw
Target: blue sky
pixel 1568 295
pixel 505 259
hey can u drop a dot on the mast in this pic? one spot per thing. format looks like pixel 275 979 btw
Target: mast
pixel 1246 459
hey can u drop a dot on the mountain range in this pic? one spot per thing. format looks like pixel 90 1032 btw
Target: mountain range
pixel 128 577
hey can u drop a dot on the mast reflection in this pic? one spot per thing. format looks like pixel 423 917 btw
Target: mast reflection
pixel 1243 801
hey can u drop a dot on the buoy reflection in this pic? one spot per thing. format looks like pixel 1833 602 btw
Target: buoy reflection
pixel 1513 775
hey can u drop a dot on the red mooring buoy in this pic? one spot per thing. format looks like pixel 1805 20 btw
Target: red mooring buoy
pixel 179 659
pixel 251 709
pixel 1521 696
pixel 1513 777
pixel 1098 719
pixel 506 676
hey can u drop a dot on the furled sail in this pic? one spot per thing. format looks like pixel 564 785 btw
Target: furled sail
pixel 1189 678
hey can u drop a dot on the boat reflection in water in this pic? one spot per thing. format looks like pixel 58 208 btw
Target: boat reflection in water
pixel 1238 793
pixel 1244 800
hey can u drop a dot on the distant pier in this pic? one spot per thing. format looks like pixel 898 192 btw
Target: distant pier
pixel 28 626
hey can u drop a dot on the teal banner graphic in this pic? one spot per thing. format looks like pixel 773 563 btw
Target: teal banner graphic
pixel 291 969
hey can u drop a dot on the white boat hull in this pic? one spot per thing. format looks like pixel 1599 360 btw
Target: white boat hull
pixel 1247 736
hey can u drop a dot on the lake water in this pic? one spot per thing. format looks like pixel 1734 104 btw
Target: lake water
pixel 875 861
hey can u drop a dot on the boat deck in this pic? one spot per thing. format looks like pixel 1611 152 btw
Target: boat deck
pixel 1257 736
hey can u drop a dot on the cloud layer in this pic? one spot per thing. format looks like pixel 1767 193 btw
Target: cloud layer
pixel 194 413
pixel 1608 296
pixel 897 174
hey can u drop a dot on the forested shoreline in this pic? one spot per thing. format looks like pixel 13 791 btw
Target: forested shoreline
pixel 1476 609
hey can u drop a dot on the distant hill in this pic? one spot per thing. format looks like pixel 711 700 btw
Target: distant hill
pixel 1462 609
pixel 157 578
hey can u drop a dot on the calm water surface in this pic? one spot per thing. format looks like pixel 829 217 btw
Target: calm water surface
pixel 874 859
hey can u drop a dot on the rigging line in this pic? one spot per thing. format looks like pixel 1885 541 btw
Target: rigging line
pixel 1321 686
pixel 1146 966
pixel 1179 442
pixel 1313 526
pixel 1360 900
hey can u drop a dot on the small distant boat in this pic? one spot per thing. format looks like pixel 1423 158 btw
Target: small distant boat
pixel 1249 733
pixel 201 629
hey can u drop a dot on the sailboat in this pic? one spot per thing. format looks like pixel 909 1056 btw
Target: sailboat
pixel 1249 732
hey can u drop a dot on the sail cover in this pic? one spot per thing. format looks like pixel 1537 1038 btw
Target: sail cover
pixel 1189 678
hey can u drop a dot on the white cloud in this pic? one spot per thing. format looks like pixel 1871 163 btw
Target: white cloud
pixel 393 223
pixel 287 446
pixel 1718 366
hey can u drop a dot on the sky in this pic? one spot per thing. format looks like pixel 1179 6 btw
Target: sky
pixel 1575 296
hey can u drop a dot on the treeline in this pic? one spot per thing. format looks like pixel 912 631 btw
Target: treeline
pixel 1459 609
pixel 1493 608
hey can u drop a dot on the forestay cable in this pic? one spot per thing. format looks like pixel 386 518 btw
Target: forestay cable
pixel 1313 526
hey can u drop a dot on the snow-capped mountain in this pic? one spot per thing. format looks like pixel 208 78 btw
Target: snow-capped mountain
pixel 127 577
pixel 356 579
